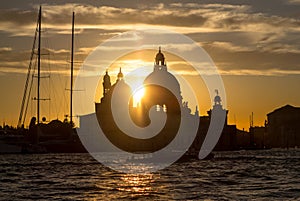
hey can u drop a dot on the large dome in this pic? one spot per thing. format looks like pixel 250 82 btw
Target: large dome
pixel 163 78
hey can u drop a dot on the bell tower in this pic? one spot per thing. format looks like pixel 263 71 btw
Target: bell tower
pixel 106 84
pixel 217 107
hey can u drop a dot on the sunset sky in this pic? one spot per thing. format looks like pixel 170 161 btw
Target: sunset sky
pixel 254 44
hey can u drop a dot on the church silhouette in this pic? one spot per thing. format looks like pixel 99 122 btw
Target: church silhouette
pixel 162 90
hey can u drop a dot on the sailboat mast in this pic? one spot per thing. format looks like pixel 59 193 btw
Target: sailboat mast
pixel 39 65
pixel 72 63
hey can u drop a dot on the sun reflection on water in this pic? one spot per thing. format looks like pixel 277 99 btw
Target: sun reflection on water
pixel 136 183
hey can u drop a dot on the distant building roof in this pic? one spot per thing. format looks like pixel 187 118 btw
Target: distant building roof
pixel 285 108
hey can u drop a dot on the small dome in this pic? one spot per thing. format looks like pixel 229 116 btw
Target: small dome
pixel 125 88
pixel 120 74
pixel 159 56
pixel 121 89
pixel 217 99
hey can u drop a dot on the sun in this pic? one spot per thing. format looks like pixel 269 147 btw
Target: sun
pixel 138 95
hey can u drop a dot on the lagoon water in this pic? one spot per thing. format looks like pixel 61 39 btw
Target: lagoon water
pixel 243 175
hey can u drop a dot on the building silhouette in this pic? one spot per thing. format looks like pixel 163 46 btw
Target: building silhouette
pixel 162 90
pixel 167 99
pixel 283 127
pixel 228 138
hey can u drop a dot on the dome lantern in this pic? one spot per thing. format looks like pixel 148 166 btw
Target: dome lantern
pixel 120 74
pixel 217 98
pixel 160 58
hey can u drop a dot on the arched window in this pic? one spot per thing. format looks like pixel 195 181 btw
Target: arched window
pixel 157 108
pixel 164 108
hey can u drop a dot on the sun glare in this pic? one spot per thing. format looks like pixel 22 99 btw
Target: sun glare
pixel 138 95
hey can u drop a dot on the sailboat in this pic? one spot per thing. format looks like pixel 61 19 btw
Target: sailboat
pixel 55 136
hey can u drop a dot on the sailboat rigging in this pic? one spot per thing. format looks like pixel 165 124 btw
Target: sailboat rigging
pixel 27 89
pixel 23 103
pixel 55 136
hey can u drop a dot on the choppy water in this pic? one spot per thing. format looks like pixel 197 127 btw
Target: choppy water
pixel 244 175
